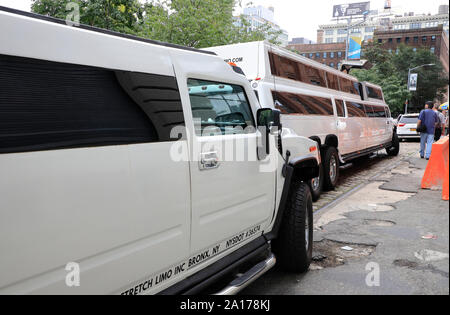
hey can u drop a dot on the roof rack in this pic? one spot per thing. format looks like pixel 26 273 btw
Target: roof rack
pixel 103 31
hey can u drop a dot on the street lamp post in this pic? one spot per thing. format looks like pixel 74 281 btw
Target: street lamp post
pixel 349 26
pixel 409 80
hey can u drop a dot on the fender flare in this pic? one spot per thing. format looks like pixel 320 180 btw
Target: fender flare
pixel 304 168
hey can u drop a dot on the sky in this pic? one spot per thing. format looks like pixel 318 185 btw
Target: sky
pixel 301 18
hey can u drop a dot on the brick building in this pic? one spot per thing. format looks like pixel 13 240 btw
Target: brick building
pixel 434 39
pixel 328 54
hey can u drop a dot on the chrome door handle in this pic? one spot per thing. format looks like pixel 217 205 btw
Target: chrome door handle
pixel 209 161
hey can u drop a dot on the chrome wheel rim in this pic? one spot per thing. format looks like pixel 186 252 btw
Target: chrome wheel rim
pixel 333 168
pixel 315 183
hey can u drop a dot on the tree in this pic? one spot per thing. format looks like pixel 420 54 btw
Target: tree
pixel 193 23
pixel 118 15
pixel 390 71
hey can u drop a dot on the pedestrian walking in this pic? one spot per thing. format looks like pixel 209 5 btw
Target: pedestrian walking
pixel 440 126
pixel 427 126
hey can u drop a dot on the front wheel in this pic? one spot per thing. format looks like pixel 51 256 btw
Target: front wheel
pixel 394 150
pixel 294 244
pixel 330 168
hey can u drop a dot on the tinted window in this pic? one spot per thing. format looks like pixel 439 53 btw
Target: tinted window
pixel 340 108
pixel 48 105
pixel 355 109
pixel 290 103
pixel 369 111
pixel 219 108
pixel 374 93
pixel 291 69
pixel 379 111
pixel 409 119
pixel 333 81
pixel 349 86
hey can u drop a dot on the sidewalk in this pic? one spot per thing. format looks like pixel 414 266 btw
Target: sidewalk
pixel 390 223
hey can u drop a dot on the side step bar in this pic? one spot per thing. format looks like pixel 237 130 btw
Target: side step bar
pixel 249 277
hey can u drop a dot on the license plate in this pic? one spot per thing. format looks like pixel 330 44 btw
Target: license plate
pixel 413 130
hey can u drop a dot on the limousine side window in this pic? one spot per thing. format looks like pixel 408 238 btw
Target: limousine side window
pixel 369 111
pixel 219 108
pixel 291 69
pixel 290 103
pixel 49 105
pixel 349 86
pixel 355 109
pixel 333 81
pixel 374 93
pixel 340 108
pixel 379 111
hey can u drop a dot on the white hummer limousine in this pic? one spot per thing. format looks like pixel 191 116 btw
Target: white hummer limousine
pixel 115 169
pixel 349 119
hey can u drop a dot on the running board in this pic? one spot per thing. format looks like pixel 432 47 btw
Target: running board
pixel 249 277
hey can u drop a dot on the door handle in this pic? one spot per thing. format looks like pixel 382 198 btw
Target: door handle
pixel 209 161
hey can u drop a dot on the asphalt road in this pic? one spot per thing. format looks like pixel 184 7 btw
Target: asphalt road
pixel 385 237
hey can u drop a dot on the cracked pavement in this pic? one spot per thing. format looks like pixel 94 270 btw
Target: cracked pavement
pixel 390 223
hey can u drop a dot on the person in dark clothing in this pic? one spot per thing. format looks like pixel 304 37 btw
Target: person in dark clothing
pixel 440 126
pixel 427 124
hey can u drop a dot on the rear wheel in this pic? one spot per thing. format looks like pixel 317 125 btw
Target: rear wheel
pixel 294 244
pixel 330 168
pixel 316 185
pixel 394 150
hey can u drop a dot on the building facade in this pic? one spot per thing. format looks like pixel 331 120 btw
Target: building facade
pixel 327 54
pixel 434 38
pixel 386 20
pixel 300 40
pixel 258 16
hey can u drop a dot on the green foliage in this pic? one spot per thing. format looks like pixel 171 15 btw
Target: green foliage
pixel 390 71
pixel 193 23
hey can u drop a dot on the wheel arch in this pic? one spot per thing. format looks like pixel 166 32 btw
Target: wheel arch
pixel 332 141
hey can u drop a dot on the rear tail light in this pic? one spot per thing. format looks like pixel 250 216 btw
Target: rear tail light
pixel 401 125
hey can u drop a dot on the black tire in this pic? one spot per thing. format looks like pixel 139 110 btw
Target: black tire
pixel 394 150
pixel 316 185
pixel 330 168
pixel 293 248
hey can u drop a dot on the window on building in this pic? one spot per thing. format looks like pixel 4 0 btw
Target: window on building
pixel 390 51
pixel 397 51
pixel 406 40
pixel 339 54
pixel 424 39
pixel 369 29
pixel 355 30
pixel 331 54
pixel 342 31
pixel 332 64
pixel 416 39
pixel 399 40
pixel 219 108
pixel 317 55
pixel 342 39
pixel 325 55
pixel 415 25
pixel 298 104
pixel 50 105
pixel 311 55
pixel 380 41
pixel 433 49
pixel 329 32
pixel 328 40
pixel 390 40
pixel 433 38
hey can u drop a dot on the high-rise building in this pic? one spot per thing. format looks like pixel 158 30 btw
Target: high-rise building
pixel 300 40
pixel 258 16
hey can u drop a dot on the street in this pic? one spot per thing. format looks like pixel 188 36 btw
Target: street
pixel 378 233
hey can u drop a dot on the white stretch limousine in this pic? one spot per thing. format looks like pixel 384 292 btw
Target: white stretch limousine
pixel 349 119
